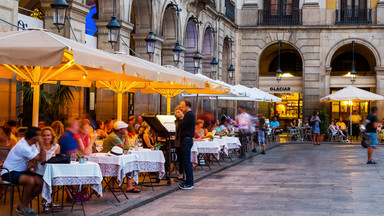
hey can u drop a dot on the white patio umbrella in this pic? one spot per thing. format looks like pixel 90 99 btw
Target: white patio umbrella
pixel 255 94
pixel 352 94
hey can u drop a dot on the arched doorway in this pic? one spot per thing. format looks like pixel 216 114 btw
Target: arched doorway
pixel 225 107
pixel 140 18
pixel 190 43
pixel 289 88
pixel 207 51
pixel 169 34
pixel 341 65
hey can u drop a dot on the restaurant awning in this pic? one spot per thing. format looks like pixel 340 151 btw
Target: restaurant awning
pixel 38 57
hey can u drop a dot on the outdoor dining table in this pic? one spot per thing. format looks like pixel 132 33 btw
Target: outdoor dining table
pixel 228 143
pixel 117 166
pixel 150 161
pixel 205 147
pixel 88 173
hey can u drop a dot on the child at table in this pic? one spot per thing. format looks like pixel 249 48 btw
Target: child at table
pixel 261 133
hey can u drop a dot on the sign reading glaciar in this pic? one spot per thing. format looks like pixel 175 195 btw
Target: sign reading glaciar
pixel 280 89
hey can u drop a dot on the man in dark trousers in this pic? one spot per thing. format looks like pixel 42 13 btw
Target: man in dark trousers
pixel 187 132
pixel 371 124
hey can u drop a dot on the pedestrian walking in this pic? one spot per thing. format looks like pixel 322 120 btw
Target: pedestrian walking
pixel 315 119
pixel 244 123
pixel 186 126
pixel 371 123
pixel 261 133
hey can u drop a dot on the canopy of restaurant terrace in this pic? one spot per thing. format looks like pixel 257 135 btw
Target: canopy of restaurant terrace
pixel 352 94
pixel 253 94
pixel 38 57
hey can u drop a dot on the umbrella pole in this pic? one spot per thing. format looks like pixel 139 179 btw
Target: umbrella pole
pixel 350 118
pixel 36 104
pixel 197 103
pixel 119 106
pixel 168 106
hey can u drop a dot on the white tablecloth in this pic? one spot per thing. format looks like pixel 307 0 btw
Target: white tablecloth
pixel 151 161
pixel 117 166
pixel 71 174
pixel 232 142
pixel 205 147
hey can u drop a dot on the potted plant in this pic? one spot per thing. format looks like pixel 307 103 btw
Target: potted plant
pixel 126 149
pixel 80 157
pixel 323 115
pixel 158 145
pixel 210 138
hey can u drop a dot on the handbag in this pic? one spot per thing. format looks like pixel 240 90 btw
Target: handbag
pixel 58 159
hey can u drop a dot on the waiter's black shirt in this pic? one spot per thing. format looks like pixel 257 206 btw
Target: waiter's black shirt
pixel 187 125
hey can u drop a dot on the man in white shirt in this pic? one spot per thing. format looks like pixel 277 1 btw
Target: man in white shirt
pixel 21 158
pixel 244 122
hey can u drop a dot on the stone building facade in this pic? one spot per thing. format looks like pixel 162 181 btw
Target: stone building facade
pixel 315 51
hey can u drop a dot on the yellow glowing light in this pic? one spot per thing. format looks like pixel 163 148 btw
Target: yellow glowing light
pixel 345 102
pixel 287 75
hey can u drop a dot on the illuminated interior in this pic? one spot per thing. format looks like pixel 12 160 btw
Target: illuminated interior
pixel 289 108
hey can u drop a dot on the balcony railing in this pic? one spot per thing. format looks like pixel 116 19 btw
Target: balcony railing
pixel 280 17
pixel 353 17
pixel 230 10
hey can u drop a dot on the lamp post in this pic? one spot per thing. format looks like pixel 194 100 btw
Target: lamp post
pixel 151 38
pixel 214 62
pixel 177 50
pixel 114 28
pixel 197 58
pixel 231 68
pixel 353 71
pixel 60 13
pixel 279 73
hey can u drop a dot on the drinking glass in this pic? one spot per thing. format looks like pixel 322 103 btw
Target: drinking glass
pixel 99 148
pixel 73 157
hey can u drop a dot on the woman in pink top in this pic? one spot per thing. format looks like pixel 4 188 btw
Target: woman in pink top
pixel 84 138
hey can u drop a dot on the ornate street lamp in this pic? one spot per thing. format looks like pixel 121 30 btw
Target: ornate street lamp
pixel 151 38
pixel 279 72
pixel 114 28
pixel 353 72
pixel 196 60
pixel 231 68
pixel 214 62
pixel 177 50
pixel 60 13
pixel 231 71
pixel 151 41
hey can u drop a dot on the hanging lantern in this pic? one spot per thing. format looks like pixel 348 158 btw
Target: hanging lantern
pixel 231 71
pixel 196 59
pixel 151 41
pixel 214 64
pixel 279 74
pixel 114 31
pixel 60 13
pixel 177 50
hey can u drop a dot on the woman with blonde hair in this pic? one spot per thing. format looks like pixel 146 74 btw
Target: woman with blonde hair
pixel 83 137
pixel 58 128
pixel 146 135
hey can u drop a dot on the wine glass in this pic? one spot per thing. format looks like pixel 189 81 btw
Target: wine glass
pixel 99 148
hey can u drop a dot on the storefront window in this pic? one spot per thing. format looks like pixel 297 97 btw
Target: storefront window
pixel 289 108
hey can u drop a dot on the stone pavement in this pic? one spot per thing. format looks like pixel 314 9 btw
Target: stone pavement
pixel 291 179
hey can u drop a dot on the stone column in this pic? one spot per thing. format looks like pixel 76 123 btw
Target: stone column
pixel 8 12
pixel 327 81
pixel 380 12
pixel 77 11
pixel 380 89
pixel 311 12
pixel 249 13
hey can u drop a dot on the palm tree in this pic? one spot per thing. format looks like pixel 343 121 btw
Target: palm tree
pixel 53 106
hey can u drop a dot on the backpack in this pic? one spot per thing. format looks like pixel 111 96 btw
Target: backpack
pixel 311 123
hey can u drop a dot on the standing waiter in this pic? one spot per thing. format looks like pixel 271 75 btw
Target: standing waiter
pixel 186 131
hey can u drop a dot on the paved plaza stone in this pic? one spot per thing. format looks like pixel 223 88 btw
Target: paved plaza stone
pixel 291 179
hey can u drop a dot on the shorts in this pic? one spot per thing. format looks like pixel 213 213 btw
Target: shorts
pixel 372 139
pixel 15 176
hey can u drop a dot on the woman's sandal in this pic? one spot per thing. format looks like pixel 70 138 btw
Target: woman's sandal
pixel 133 190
